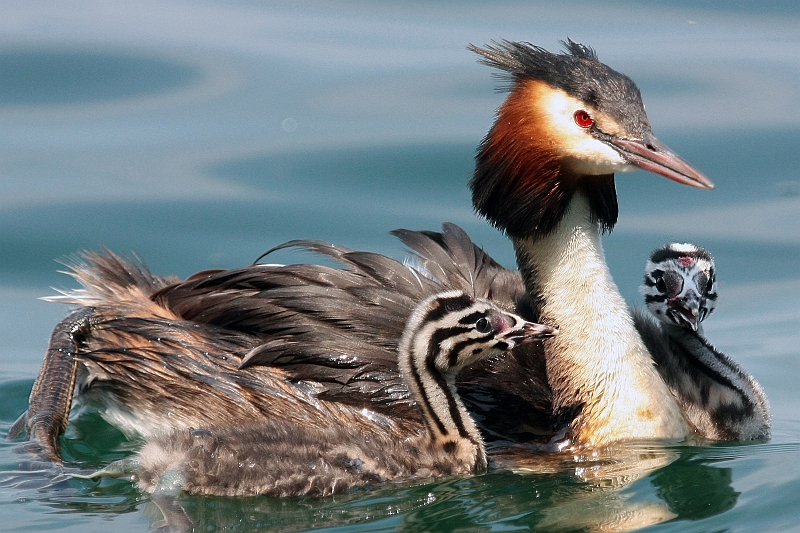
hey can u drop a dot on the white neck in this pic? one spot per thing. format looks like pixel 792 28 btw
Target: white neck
pixel 598 359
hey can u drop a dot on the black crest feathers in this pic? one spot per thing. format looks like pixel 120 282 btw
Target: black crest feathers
pixel 578 72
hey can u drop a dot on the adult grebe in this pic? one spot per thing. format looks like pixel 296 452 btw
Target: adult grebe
pixel 304 343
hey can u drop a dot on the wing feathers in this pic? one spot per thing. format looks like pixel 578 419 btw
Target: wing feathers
pixel 331 332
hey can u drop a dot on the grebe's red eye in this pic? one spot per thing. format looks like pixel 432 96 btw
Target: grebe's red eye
pixel 583 119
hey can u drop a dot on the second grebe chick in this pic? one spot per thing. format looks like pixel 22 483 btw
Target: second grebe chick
pixel 445 333
pixel 722 400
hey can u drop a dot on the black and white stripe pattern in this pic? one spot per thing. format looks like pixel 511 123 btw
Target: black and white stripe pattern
pixel 719 397
pixel 446 333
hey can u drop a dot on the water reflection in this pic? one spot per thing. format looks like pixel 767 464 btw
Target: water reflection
pixel 620 488
pixel 635 487
pixel 695 486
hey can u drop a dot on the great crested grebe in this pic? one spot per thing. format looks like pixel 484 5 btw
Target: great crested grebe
pixel 304 343
pixel 445 333
pixel 722 400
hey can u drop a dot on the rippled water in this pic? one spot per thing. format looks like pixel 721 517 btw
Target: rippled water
pixel 200 135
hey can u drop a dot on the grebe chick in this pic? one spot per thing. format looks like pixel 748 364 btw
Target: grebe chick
pixel 722 400
pixel 445 333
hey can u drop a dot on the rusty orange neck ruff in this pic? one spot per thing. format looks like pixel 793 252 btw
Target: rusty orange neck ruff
pixel 522 184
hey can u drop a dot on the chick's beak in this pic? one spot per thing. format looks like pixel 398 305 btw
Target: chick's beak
pixel 687 309
pixel 651 154
pixel 530 331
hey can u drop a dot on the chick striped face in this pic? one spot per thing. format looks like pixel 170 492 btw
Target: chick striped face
pixel 680 284
pixel 455 330
pixel 445 333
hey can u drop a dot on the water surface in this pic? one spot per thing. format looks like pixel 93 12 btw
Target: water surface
pixel 201 135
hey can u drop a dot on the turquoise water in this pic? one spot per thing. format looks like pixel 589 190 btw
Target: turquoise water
pixel 200 135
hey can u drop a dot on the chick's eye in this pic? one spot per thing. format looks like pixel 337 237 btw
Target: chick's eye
pixel 710 284
pixel 483 326
pixel 661 285
pixel 583 119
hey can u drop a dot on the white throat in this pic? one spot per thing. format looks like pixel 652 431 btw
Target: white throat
pixel 598 359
